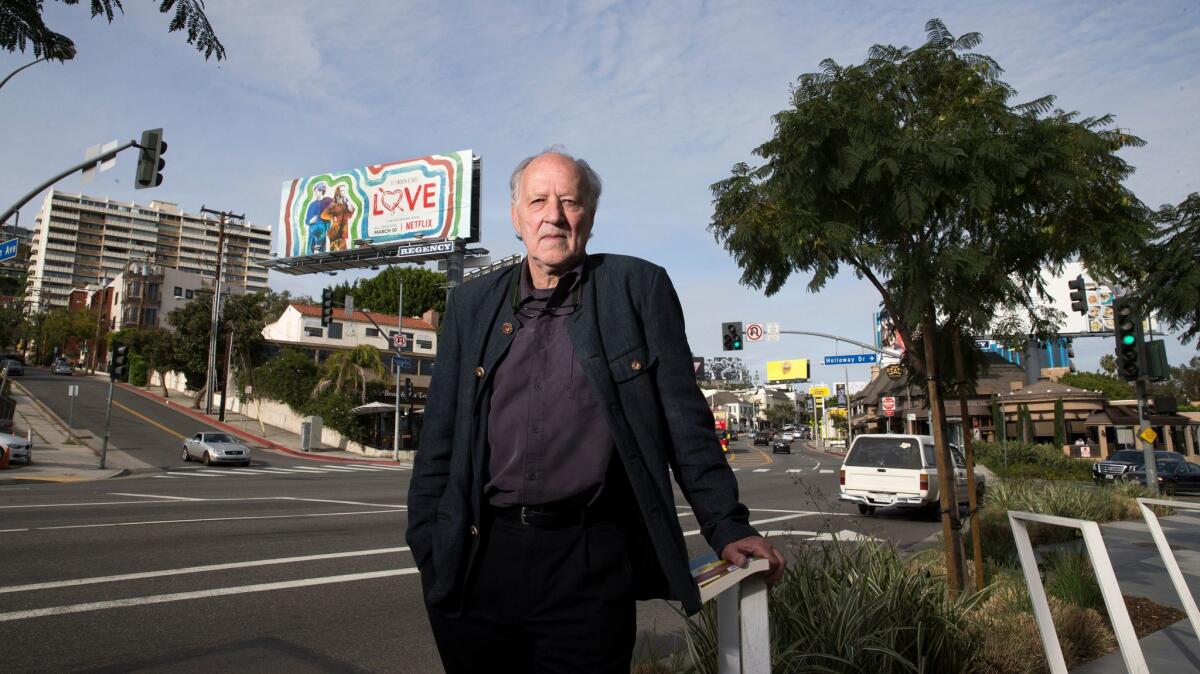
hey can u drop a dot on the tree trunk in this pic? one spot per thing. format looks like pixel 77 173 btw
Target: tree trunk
pixel 945 463
pixel 199 398
pixel 969 455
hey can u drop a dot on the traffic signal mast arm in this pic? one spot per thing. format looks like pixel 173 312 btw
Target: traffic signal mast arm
pixel 86 164
pixel 838 338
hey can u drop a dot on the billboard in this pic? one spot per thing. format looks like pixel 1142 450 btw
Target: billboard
pixel 787 371
pixel 887 337
pixel 429 197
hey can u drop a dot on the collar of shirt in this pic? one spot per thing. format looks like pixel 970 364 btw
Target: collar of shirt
pixel 562 299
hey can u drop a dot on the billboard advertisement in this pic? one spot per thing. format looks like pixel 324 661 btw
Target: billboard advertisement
pixel 887 337
pixel 428 197
pixel 787 371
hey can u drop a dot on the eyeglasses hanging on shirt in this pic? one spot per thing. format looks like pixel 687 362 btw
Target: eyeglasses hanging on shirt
pixel 564 301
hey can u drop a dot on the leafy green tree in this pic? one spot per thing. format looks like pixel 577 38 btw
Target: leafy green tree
pixel 423 290
pixel 351 369
pixel 1025 423
pixel 1060 424
pixel 245 314
pixel 288 378
pixel 917 171
pixel 61 329
pixel 1111 387
pixel 1170 284
pixel 22 25
pixel 779 416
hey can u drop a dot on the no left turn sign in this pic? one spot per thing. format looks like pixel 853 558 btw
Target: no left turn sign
pixel 754 332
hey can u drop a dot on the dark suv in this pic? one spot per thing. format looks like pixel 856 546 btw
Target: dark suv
pixel 1126 461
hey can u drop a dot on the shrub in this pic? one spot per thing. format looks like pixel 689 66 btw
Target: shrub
pixel 1026 460
pixel 334 409
pixel 139 372
pixel 288 378
pixel 856 608
pixel 1069 576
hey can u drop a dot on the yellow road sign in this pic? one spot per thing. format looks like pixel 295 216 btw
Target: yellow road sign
pixel 1148 435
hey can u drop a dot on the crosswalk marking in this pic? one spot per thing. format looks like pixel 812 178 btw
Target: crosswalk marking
pixel 260 471
pixel 795 470
pixel 826 471
pixel 762 470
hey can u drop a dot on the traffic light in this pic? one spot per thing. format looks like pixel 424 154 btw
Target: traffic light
pixel 150 161
pixel 731 336
pixel 1078 295
pixel 1131 349
pixel 326 307
pixel 119 357
pixel 408 388
pixel 1158 368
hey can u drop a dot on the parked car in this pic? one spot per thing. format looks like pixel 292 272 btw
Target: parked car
pixel 1174 477
pixel 14 367
pixel 19 449
pixel 1119 464
pixel 788 437
pixel 898 470
pixel 211 448
pixel 62 366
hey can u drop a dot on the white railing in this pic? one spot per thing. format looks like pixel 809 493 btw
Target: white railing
pixel 743 630
pixel 1131 651
pixel 1168 557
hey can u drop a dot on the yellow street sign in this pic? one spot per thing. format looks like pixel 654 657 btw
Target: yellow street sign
pixel 1148 435
pixel 818 391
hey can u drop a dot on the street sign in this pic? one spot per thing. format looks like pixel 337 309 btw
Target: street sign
pixel 1148 435
pixel 8 250
pixel 911 416
pixel 852 359
pixel 698 366
pixel 894 371
pixel 888 403
pixel 411 250
pixel 403 363
pixel 772 332
pixel 73 390
pixel 818 391
pixel 889 413
pixel 399 340
pixel 754 332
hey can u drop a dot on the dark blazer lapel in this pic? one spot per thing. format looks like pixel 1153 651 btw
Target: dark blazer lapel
pixel 584 329
pixel 496 340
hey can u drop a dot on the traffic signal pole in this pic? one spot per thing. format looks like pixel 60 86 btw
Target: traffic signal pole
pixel 107 421
pixel 86 164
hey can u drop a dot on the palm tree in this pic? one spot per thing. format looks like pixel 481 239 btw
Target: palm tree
pixel 1108 363
pixel 351 369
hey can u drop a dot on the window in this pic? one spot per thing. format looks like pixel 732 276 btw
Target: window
pixel 424 344
pixel 372 332
pixel 178 292
pixel 335 330
pixel 189 294
pixel 310 331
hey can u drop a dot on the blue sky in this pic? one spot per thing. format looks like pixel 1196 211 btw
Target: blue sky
pixel 661 97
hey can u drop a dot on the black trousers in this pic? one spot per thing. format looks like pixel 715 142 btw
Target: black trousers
pixel 542 601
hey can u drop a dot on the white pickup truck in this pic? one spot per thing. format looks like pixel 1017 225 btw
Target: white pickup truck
pixel 898 470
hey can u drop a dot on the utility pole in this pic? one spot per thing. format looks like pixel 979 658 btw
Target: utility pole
pixel 214 325
pixel 396 366
pixel 228 364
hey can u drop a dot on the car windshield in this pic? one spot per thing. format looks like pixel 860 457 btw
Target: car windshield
pixel 884 452
pixel 1165 466
pixel 1130 455
pixel 217 437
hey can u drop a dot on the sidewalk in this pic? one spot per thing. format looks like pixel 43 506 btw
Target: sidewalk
pixel 1140 572
pixel 56 457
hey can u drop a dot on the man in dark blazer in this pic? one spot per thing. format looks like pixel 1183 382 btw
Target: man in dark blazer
pixel 562 403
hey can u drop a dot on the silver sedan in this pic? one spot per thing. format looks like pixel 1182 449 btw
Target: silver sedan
pixel 210 448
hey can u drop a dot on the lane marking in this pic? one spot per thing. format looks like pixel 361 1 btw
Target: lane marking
pixel 168 476
pixel 218 471
pixel 357 503
pixel 826 471
pixel 781 518
pixel 210 519
pixel 150 421
pixel 198 569
pixel 795 470
pixel 201 594
pixel 368 469
pixel 162 496
pixel 766 457
pixel 762 470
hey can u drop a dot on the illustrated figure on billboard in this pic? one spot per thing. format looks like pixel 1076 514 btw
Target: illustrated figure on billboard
pixel 338 214
pixel 318 227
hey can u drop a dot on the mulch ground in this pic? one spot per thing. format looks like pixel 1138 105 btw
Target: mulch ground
pixel 1148 616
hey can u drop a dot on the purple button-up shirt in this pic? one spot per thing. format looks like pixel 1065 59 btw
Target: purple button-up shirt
pixel 547 435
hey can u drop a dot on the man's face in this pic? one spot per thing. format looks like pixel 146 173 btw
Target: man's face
pixel 551 214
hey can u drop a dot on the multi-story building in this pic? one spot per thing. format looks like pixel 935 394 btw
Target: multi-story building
pixel 82 241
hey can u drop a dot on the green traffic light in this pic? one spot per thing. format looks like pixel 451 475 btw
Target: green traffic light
pixel 1127 340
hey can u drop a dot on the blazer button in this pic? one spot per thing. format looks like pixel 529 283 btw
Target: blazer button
pixel 636 365
pixel 474 530
pixel 479 373
pixel 506 328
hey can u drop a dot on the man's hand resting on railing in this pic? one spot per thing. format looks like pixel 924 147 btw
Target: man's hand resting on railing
pixel 755 546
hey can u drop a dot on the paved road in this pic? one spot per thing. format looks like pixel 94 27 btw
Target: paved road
pixel 147 434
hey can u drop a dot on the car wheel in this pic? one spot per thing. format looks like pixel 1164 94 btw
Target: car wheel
pixel 865 509
pixel 207 460
pixel 186 457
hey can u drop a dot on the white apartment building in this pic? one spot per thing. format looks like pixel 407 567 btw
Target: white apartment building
pixel 299 327
pixel 82 241
pixel 143 295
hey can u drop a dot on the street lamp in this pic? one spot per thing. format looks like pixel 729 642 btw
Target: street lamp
pixel 63 52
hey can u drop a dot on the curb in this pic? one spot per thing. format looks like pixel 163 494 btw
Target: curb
pixel 250 436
